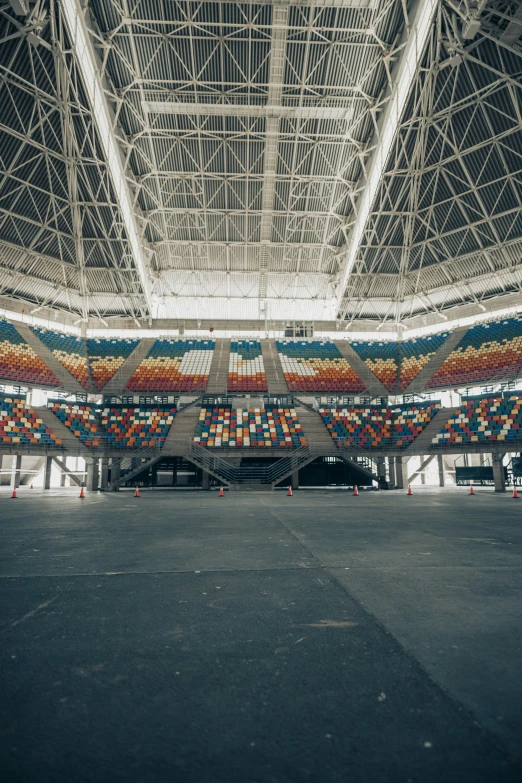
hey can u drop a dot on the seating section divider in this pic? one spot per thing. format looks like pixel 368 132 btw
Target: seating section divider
pixel 68 349
pixel 106 356
pixel 382 358
pixel 416 353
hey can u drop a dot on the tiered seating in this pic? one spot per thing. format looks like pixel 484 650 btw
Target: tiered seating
pixel 129 427
pixel 313 365
pixel 478 421
pixel 106 356
pixel 246 371
pixel 20 425
pixel 18 361
pixel 488 351
pixel 382 358
pixel 80 419
pixel 68 349
pixel 174 365
pixel 223 427
pixel 366 427
pixel 408 421
pixel 416 353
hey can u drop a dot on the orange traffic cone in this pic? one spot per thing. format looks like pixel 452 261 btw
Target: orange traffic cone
pixel 82 491
pixel 471 490
pixel 289 492
pixel 14 492
pixel 355 489
pixel 221 492
pixel 31 487
pixel 137 493
pixel 515 493
pixel 409 492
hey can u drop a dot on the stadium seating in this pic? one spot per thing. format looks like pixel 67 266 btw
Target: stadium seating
pixel 18 361
pixel 416 353
pixel 313 365
pixel 81 419
pixel 174 365
pixel 21 426
pixel 133 427
pixel 489 419
pixel 246 371
pixel 224 427
pixel 68 349
pixel 382 358
pixel 366 427
pixel 488 351
pixel 408 421
pixel 106 356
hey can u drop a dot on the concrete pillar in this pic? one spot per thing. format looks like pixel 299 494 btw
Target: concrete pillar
pixel 400 469
pixel 47 472
pixel 115 472
pixel 381 472
pixel 294 480
pixel 391 470
pixel 440 464
pixel 205 479
pixel 17 468
pixel 104 474
pixel 91 482
pixel 498 472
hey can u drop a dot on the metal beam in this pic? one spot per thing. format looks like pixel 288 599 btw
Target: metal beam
pixel 405 76
pixel 90 69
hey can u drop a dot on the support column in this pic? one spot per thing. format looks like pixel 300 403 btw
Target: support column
pixel 104 474
pixel 391 471
pixel 400 466
pixel 498 472
pixel 115 472
pixel 47 472
pixel 294 480
pixel 440 464
pixel 92 474
pixel 381 472
pixel 17 468
pixel 205 479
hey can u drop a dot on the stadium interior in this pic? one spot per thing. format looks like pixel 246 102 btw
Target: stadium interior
pixel 252 252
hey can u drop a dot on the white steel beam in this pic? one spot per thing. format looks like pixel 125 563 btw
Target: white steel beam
pixel 406 73
pixel 250 110
pixel 89 68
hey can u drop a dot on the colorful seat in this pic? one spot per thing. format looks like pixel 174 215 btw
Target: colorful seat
pixel 314 365
pixel 133 427
pixel 246 371
pixel 363 426
pixel 225 427
pixel 174 365
pixel 19 362
pixel 408 421
pixel 106 356
pixel 69 350
pixel 416 353
pixel 20 425
pixel 81 419
pixel 490 351
pixel 491 418
pixel 382 358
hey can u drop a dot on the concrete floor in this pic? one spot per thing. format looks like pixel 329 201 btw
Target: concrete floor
pixel 184 637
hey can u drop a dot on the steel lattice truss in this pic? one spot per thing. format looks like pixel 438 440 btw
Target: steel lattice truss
pixel 247 131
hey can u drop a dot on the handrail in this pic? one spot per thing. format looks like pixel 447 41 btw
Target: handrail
pixel 243 475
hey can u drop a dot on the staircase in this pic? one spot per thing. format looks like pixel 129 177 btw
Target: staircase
pixel 181 432
pixel 316 434
pixel 71 443
pixel 275 376
pixel 218 376
pixel 131 466
pixel 373 385
pixel 422 442
pixel 67 380
pixel 119 380
pixel 418 383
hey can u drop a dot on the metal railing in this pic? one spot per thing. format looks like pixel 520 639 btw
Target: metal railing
pixel 232 474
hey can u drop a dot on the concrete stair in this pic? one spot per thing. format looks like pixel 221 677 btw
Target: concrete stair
pixel 119 380
pixel 418 384
pixel 181 432
pixel 71 442
pixel 373 385
pixel 67 381
pixel 423 441
pixel 275 376
pixel 316 434
pixel 218 376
